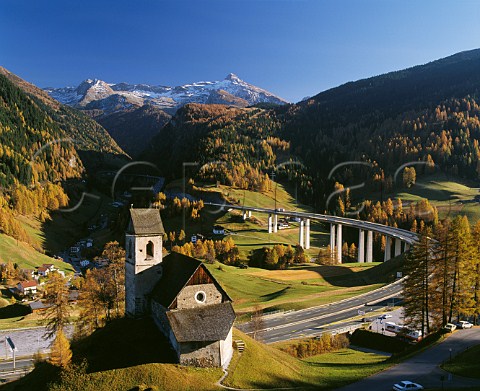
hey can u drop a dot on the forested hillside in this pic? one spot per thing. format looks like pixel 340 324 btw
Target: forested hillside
pixel 427 116
pixel 133 129
pixel 238 147
pixel 42 145
pixel 393 119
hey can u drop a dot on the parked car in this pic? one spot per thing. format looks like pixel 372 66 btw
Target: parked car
pixel 463 324
pixel 405 385
pixel 449 327
pixel 385 316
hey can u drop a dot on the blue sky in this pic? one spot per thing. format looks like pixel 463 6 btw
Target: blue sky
pixel 293 48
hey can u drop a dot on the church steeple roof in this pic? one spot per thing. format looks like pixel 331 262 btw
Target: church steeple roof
pixel 145 221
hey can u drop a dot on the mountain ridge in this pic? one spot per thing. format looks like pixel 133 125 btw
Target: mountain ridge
pixel 232 90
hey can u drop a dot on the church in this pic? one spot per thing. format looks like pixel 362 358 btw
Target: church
pixel 185 301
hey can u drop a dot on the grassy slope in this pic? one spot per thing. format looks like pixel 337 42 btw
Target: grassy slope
pixel 253 234
pixel 277 369
pixel 451 196
pixel 56 235
pixel 465 364
pixel 272 369
pixel 25 255
pixel 153 377
pixel 301 287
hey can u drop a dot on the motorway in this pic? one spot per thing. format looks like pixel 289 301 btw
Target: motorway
pixel 312 321
pixel 402 234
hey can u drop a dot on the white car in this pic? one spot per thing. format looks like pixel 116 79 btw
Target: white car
pixel 449 327
pixel 463 324
pixel 406 385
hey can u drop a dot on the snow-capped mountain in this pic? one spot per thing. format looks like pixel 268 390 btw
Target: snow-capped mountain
pixel 108 98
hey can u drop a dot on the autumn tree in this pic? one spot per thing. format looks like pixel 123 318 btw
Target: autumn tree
pixel 91 314
pixel 56 296
pixel 116 273
pixel 416 288
pixel 409 176
pixel 476 286
pixel 181 236
pixel 60 354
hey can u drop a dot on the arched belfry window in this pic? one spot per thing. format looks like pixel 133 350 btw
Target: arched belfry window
pixel 130 249
pixel 150 249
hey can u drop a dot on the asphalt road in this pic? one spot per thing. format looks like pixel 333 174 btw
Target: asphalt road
pixel 312 321
pixel 27 341
pixel 424 367
pixel 7 366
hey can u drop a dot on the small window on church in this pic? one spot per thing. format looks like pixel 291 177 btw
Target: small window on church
pixel 150 249
pixel 200 297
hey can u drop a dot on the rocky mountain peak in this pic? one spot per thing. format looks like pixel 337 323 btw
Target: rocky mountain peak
pixel 233 77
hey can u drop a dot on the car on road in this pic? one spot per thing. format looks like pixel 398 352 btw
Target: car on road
pixel 449 327
pixel 385 316
pixel 406 385
pixel 463 324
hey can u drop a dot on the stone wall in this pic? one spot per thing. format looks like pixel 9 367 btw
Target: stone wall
pixel 193 296
pixel 200 354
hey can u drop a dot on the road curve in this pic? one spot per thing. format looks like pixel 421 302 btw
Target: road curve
pixel 398 233
pixel 424 368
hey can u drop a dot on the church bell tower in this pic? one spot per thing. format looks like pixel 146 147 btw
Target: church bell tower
pixel 143 244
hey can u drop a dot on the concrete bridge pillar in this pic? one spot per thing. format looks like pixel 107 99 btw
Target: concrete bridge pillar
pixel 275 223
pixel 339 243
pixel 398 247
pixel 270 223
pixel 370 246
pixel 361 246
pixel 407 246
pixel 249 213
pixel 332 238
pixel 301 233
pixel 388 248
pixel 307 234
pixel 244 215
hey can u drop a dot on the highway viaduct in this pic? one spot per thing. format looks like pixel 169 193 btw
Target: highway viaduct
pixel 396 239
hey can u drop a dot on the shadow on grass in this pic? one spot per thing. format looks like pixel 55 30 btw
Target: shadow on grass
pixel 120 344
pixel 344 277
pixel 14 310
pixel 124 343
pixel 275 295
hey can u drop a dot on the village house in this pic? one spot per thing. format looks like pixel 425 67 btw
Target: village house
pixel 43 271
pixel 185 301
pixel 27 287
pixel 38 306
